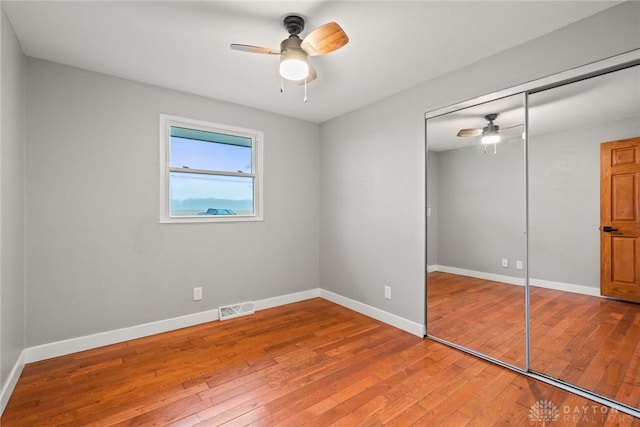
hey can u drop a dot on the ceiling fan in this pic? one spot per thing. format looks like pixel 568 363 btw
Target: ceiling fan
pixel 490 133
pixel 294 52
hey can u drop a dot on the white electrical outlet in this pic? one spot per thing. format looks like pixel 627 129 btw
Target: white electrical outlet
pixel 197 294
pixel 387 292
pixel 518 265
pixel 505 263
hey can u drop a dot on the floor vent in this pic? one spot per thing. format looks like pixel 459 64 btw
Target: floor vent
pixel 236 310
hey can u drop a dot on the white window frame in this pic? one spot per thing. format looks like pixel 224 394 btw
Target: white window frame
pixel 257 151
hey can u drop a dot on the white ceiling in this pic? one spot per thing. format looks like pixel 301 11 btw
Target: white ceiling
pixel 184 45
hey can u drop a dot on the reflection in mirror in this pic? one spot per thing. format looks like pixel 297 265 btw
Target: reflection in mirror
pixel 476 229
pixel 577 335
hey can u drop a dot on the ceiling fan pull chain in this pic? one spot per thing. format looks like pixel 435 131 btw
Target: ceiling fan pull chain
pixel 305 89
pixel 495 148
pixel 281 85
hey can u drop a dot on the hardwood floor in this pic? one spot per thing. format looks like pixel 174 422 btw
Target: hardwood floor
pixel 584 340
pixel 588 341
pixel 310 363
pixel 482 315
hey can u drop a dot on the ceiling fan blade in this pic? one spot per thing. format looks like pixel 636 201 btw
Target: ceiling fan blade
pixel 324 39
pixel 254 49
pixel 470 132
pixel 311 77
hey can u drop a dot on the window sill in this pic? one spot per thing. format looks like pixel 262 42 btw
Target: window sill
pixel 210 220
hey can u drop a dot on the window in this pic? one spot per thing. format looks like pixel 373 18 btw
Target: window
pixel 209 172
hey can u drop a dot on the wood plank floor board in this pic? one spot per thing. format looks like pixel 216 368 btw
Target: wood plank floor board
pixel 311 363
pixel 114 411
pixel 337 406
pixel 410 391
pixel 327 386
pixel 409 417
pixel 363 412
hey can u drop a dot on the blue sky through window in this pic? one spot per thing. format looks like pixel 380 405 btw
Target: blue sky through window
pixel 196 154
pixel 195 193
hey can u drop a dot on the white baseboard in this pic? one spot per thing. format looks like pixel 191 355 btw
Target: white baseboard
pixel 11 381
pixel 286 299
pixel 479 275
pixel 87 342
pixel 73 345
pixel 566 287
pixel 548 284
pixel 381 315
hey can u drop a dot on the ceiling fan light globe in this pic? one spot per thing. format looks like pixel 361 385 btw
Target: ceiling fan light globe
pixel 492 138
pixel 294 69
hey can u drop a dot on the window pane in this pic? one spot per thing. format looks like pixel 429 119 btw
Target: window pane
pixel 209 150
pixel 197 194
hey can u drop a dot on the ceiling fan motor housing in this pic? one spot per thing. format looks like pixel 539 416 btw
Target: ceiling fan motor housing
pixel 491 117
pixel 490 127
pixel 294 24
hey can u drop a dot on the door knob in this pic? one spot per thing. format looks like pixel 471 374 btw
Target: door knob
pixel 608 229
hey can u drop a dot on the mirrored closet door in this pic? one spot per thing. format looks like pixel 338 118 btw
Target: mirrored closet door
pixel 533 237
pixel 584 234
pixel 476 225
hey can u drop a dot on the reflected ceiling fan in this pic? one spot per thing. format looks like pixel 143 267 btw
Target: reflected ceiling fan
pixel 490 133
pixel 294 52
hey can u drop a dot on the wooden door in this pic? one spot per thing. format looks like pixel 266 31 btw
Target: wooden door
pixel 620 219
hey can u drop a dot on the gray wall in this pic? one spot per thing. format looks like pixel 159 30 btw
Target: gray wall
pixel 373 169
pixel 564 201
pixel 97 258
pixel 481 208
pixel 12 305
